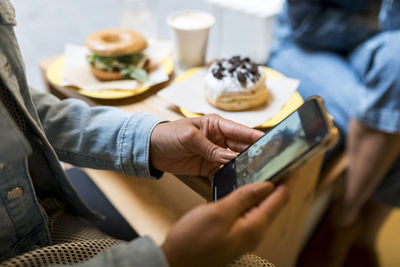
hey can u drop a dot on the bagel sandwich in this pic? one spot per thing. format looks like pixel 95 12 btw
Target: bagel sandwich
pixel 118 54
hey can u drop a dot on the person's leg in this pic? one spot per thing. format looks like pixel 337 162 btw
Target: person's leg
pixel 320 73
pixel 373 214
pixel 362 253
pixel 373 141
pixel 371 154
pixel 330 76
pixel 373 144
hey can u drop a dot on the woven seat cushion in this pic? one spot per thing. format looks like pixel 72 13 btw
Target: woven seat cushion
pixel 250 260
pixel 74 241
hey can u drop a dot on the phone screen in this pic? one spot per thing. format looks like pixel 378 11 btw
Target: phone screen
pixel 277 149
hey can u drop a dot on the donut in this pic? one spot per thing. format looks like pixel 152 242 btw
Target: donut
pixel 236 84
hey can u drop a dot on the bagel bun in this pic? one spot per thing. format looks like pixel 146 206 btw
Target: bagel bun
pixel 115 42
pixel 104 75
pixel 236 84
pixel 118 54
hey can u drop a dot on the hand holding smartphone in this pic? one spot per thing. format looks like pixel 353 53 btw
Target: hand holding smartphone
pixel 301 136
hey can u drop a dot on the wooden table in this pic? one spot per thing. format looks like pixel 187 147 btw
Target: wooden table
pixel 152 207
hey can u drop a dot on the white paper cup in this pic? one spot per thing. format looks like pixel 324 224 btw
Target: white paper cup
pixel 190 29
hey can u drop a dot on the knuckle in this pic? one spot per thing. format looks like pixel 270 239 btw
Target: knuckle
pixel 213 116
pixel 247 195
pixel 190 133
pixel 212 119
pixel 241 195
pixel 212 150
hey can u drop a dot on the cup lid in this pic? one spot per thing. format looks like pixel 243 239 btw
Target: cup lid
pixel 190 20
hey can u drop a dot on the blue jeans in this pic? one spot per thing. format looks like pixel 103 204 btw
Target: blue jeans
pixel 364 85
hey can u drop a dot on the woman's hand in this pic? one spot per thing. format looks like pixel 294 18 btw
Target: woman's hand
pixel 198 146
pixel 217 233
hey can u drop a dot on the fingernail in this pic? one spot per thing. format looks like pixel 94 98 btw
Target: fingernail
pixel 228 155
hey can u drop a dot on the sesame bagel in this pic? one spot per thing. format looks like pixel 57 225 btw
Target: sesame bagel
pixel 118 54
pixel 115 42
pixel 103 75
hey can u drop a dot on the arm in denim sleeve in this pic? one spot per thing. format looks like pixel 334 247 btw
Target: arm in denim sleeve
pixel 139 252
pixel 318 25
pixel 96 137
pixel 389 15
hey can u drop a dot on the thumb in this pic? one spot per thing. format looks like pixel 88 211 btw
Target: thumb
pixel 210 151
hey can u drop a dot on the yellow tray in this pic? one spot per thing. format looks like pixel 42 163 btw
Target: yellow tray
pixel 55 69
pixel 294 102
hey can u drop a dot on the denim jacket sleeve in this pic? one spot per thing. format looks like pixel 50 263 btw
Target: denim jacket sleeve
pixel 96 137
pixel 319 25
pixel 139 252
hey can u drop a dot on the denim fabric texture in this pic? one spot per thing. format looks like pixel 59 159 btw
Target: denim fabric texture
pixel 71 131
pixel 347 52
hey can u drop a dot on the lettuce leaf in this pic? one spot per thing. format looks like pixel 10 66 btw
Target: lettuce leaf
pixel 125 64
pixel 135 73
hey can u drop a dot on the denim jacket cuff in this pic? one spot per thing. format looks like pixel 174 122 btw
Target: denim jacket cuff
pixel 147 253
pixel 139 252
pixel 135 144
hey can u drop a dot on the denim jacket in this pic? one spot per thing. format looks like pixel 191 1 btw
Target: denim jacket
pixel 336 25
pixel 70 131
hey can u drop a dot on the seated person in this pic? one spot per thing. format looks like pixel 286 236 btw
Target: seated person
pixel 38 130
pixel 348 52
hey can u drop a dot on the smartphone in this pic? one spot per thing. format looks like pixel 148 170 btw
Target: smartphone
pixel 302 135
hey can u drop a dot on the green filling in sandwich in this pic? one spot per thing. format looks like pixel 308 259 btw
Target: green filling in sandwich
pixel 127 65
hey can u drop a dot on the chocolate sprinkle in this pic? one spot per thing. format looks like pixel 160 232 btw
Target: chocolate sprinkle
pixel 243 69
pixel 217 73
pixel 241 77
